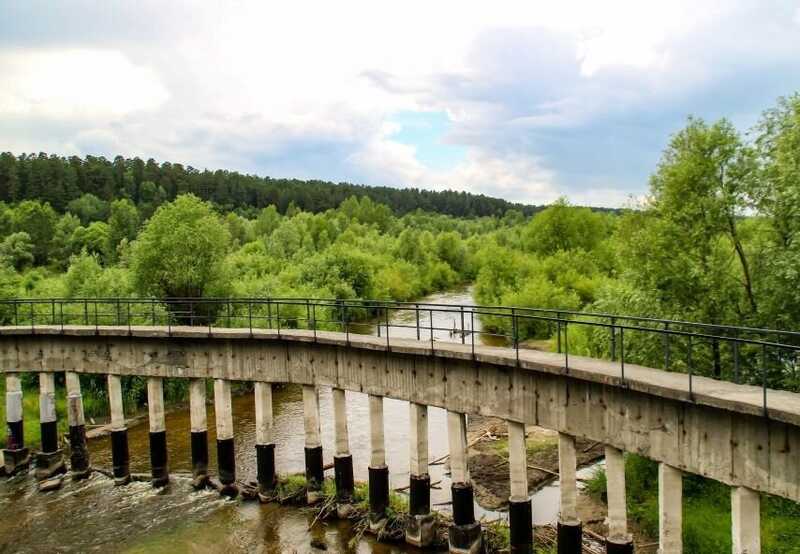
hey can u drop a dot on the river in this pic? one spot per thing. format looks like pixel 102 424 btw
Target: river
pixel 94 515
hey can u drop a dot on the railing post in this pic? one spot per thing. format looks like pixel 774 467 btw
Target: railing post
pixel 613 339
pixel 463 331
pixel 416 310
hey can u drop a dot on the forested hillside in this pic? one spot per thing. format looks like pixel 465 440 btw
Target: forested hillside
pixel 90 183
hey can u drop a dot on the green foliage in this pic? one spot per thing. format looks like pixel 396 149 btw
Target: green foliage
pixel 180 252
pixel 123 225
pixel 89 208
pixel 16 250
pixel 38 221
pixel 561 227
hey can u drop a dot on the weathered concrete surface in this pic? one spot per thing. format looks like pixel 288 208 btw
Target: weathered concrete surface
pixel 720 432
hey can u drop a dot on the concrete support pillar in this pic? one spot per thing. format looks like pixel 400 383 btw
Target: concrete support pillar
pixel 50 461
pixel 569 526
pixel 79 452
pixel 314 467
pixel 746 519
pixel 159 467
pixel 464 536
pixel 618 540
pixel 421 528
pixel 16 456
pixel 199 429
pixel 342 459
pixel 670 510
pixel 120 456
pixel 265 447
pixel 520 513
pixel 378 471
pixel 226 453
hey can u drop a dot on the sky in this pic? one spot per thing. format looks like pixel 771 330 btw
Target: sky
pixel 527 101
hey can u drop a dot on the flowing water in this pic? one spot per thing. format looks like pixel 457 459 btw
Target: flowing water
pixel 94 515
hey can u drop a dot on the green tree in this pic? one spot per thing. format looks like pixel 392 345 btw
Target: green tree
pixel 267 221
pixel 16 250
pixel 563 227
pixel 89 208
pixel 180 252
pixel 38 221
pixel 123 224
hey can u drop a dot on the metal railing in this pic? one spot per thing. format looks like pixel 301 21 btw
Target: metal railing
pixel 764 357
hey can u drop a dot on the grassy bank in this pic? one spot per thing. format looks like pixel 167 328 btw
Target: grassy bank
pixel 706 510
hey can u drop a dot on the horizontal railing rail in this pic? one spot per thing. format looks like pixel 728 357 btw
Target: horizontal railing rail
pixel 764 357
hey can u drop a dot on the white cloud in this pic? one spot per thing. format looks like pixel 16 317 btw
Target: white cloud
pixel 539 95
pixel 76 84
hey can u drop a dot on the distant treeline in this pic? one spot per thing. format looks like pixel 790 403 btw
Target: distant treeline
pixel 60 180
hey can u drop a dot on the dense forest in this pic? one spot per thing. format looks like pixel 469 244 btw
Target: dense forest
pixel 87 183
pixel 716 240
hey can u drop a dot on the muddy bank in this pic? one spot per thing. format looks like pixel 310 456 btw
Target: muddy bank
pixel 488 458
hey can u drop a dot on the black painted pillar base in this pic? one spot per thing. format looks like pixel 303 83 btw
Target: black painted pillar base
pixel 265 464
pixel 619 545
pixel 421 526
pixel 49 433
pixel 314 474
pixel 378 497
pixel 465 534
pixel 159 470
pixel 520 518
pixel 570 537
pixel 16 461
pixel 199 459
pixel 226 465
pixel 345 485
pixel 79 453
pixel 120 457
pixel 419 495
pixel 50 464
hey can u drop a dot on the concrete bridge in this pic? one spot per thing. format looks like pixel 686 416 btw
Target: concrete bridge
pixel 745 436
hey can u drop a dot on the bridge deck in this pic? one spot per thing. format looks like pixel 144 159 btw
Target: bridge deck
pixel 782 406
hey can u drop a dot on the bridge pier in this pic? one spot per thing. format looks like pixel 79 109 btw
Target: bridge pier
pixel 16 456
pixel 421 528
pixel 619 541
pixel 520 513
pixel 265 447
pixel 570 530
pixel 313 448
pixel 342 459
pixel 670 510
pixel 465 535
pixel 378 471
pixel 50 461
pixel 199 432
pixel 746 519
pixel 226 453
pixel 120 455
pixel 79 452
pixel 159 467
